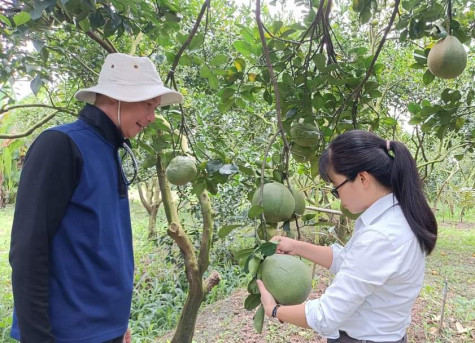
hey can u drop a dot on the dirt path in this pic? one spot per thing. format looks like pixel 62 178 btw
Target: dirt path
pixel 226 321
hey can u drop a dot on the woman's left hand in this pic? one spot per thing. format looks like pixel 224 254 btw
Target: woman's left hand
pixel 267 300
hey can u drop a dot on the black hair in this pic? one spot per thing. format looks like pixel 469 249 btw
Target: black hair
pixel 356 151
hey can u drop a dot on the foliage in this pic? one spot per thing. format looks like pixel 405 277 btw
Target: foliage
pixel 342 65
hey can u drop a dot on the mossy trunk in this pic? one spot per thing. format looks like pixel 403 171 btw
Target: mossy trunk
pixel 195 266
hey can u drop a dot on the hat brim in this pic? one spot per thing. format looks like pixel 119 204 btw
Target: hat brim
pixel 130 93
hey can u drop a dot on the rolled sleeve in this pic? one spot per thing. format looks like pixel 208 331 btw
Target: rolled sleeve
pixel 338 257
pixel 367 263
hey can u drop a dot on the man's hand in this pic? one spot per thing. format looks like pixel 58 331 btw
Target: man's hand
pixel 128 336
pixel 268 301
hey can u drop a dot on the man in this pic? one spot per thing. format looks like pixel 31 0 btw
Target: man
pixel 71 246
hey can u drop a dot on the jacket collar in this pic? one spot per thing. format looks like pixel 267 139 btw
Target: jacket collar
pixel 102 124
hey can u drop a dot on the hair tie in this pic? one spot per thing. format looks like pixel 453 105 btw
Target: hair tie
pixel 388 145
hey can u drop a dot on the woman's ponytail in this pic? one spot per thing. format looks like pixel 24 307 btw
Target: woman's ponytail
pixel 407 187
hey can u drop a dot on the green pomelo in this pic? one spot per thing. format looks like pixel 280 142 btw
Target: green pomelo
pixel 301 153
pixel 347 213
pixel 277 200
pixel 287 278
pixel 181 170
pixel 299 202
pixel 305 134
pixel 447 59
pixel 270 231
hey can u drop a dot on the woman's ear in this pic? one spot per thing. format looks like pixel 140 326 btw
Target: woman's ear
pixel 364 177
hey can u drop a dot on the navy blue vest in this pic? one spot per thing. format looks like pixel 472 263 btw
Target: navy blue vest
pixel 91 255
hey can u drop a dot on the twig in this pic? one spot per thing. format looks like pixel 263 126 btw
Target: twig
pixel 359 88
pixel 30 130
pixel 190 37
pixel 444 299
pixel 272 75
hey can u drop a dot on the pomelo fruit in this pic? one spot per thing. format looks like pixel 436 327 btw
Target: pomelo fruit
pixel 270 231
pixel 305 134
pixel 299 202
pixel 287 278
pixel 181 170
pixel 447 59
pixel 277 200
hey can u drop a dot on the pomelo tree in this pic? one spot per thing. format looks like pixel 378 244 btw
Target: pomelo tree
pixel 275 89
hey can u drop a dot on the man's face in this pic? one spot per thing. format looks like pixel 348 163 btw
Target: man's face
pixel 135 116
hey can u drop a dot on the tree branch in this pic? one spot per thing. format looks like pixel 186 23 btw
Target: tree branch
pixel 190 37
pixel 106 44
pixel 271 73
pixel 356 92
pixel 31 129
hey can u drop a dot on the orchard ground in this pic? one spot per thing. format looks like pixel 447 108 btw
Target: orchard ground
pixel 226 321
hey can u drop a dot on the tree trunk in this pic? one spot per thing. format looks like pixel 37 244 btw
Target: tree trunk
pixel 151 201
pixel 195 266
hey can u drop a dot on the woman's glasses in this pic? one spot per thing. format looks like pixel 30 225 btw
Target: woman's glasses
pixel 334 190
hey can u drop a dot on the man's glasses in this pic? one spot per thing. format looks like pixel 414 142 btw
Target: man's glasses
pixel 128 165
pixel 334 190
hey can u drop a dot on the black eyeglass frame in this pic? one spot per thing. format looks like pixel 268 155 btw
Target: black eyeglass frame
pixel 334 190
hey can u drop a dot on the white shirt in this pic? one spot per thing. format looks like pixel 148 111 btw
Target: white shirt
pixel 379 274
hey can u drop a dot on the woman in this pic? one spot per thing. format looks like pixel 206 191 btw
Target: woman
pixel 380 271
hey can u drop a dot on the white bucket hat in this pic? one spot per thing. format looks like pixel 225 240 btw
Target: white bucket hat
pixel 130 79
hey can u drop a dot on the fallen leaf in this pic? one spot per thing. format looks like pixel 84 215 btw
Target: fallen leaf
pixel 460 328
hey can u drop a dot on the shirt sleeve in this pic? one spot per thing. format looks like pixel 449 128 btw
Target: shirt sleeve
pixel 369 263
pixel 50 173
pixel 338 256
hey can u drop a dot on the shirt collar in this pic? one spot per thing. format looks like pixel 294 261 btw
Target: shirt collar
pixel 102 124
pixel 377 209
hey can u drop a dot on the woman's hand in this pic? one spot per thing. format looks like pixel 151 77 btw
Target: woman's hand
pixel 267 300
pixel 286 245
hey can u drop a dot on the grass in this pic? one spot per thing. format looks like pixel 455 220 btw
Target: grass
pixel 160 281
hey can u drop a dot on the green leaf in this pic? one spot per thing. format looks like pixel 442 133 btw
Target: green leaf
pixel 252 301
pixel 197 41
pixel 213 166
pixel 243 255
pixel 252 287
pixel 198 188
pixel 243 47
pixel 388 121
pixel 420 57
pixel 218 60
pixel 36 84
pixel 253 265
pixel 268 248
pixel 255 211
pixel 228 169
pixel 450 95
pixel 428 77
pixel 320 61
pixel 225 230
pixel 240 64
pixel 258 319
pixel 470 95
pixel 21 18
pixel 444 117
pixel 365 15
pixel 5 20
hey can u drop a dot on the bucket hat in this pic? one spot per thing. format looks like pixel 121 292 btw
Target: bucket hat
pixel 130 79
